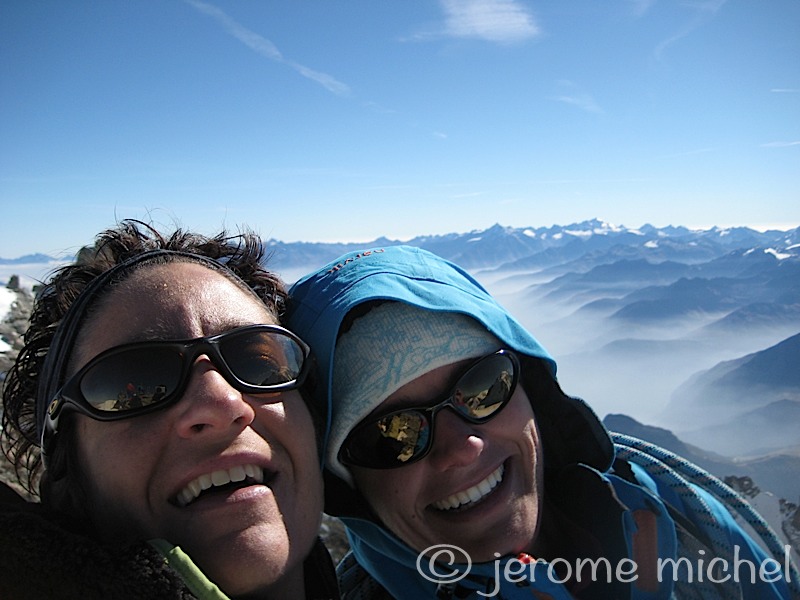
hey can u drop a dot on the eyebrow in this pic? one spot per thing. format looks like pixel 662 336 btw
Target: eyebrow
pixel 165 330
pixel 157 330
pixel 226 324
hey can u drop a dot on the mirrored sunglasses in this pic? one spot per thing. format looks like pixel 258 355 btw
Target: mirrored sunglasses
pixel 405 436
pixel 137 378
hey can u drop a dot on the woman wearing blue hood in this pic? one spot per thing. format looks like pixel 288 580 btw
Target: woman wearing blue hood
pixel 461 469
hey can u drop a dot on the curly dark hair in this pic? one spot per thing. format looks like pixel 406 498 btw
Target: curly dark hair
pixel 242 255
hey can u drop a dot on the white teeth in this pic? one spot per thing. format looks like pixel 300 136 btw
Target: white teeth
pixel 237 474
pixel 218 478
pixel 253 472
pixel 185 497
pixel 473 494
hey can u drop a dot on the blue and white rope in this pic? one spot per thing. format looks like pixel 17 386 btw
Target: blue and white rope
pixel 678 473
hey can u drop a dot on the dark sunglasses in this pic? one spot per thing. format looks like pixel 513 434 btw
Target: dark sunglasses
pixel 405 436
pixel 138 378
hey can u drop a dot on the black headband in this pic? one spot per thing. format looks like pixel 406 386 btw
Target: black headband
pixel 51 377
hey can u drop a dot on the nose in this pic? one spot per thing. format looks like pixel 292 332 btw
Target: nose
pixel 210 405
pixel 456 442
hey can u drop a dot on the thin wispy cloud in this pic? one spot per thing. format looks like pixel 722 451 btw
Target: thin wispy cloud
pixel 702 12
pixel 465 195
pixel 492 20
pixel 780 144
pixel 570 93
pixel 266 48
pixel 378 108
pixel 640 7
pixel 785 90
pixel 498 21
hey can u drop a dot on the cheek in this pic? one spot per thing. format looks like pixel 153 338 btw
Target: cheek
pixel 390 493
pixel 115 472
pixel 96 448
pixel 516 427
pixel 289 425
pixel 119 448
pixel 518 419
pixel 287 422
pixel 532 447
pixel 535 450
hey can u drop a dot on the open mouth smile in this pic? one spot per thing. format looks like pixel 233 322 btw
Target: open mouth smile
pixel 235 477
pixel 473 494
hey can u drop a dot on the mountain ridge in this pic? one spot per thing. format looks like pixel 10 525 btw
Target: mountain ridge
pixel 521 242
pixel 768 376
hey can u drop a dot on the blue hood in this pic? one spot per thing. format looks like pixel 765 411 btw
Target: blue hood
pixel 320 301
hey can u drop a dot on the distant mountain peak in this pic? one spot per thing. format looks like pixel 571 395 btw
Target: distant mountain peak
pixel 28 259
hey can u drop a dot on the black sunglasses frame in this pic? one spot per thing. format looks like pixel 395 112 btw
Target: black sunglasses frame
pixel 429 413
pixel 70 396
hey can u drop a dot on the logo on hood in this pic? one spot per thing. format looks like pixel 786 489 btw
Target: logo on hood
pixel 341 265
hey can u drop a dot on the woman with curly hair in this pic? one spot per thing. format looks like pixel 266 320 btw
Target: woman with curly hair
pixel 157 410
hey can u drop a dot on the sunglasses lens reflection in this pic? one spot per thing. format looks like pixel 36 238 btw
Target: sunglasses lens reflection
pixel 261 358
pixel 484 388
pixel 402 437
pixel 133 379
pixel 393 439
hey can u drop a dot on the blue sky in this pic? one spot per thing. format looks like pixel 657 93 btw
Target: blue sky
pixel 348 120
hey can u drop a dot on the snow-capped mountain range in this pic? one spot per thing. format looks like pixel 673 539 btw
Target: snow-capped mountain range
pixel 593 241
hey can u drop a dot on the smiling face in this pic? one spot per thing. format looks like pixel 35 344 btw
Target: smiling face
pixel 479 488
pixel 252 528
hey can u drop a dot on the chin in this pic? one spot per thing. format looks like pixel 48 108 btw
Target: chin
pixel 238 577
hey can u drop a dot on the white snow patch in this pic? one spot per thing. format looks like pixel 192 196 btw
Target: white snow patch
pixel 530 233
pixel 606 228
pixel 577 233
pixel 651 244
pixel 776 254
pixel 7 297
